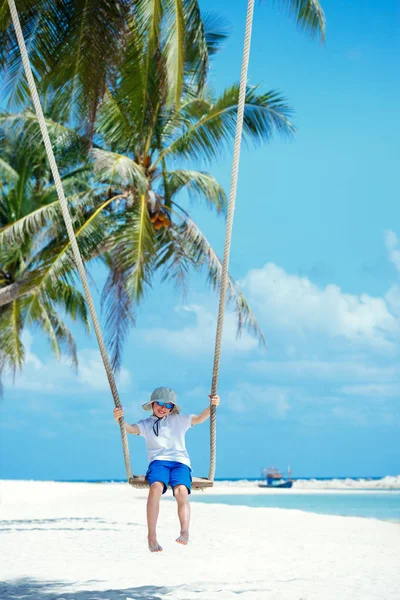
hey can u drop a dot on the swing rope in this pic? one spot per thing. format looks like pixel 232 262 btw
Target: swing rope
pixel 75 249
pixel 228 232
pixel 70 230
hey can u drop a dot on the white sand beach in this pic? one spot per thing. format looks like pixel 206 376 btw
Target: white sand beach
pixel 78 541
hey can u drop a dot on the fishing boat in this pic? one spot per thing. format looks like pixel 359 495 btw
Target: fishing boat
pixel 272 478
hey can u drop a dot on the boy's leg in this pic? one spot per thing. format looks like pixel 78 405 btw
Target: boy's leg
pixel 181 494
pixel 153 507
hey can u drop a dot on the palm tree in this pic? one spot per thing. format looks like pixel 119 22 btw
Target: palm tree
pixel 66 40
pixel 29 206
pixel 154 114
pixel 131 215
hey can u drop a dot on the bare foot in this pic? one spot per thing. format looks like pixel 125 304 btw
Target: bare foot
pixel 154 546
pixel 183 538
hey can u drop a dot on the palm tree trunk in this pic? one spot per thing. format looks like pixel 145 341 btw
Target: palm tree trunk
pixel 12 292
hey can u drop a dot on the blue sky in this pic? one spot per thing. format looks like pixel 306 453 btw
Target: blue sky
pixel 316 249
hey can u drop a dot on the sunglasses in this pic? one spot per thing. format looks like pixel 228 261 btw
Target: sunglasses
pixel 166 404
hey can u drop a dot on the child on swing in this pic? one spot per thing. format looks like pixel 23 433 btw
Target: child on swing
pixel 169 463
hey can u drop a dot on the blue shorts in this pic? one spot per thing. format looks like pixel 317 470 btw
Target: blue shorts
pixel 170 473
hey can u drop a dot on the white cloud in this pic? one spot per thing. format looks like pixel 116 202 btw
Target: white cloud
pixel 293 304
pixel 52 376
pixel 200 336
pixel 91 372
pixel 301 317
pixel 392 298
pixel 325 336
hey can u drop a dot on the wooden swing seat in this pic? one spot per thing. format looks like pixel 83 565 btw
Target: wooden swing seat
pixel 198 483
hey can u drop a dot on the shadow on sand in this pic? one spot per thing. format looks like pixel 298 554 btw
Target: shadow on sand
pixel 31 589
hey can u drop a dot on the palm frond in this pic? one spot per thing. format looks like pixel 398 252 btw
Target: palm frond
pixel 203 255
pixel 216 31
pixel 65 41
pixel 117 305
pixel 308 15
pixel 131 262
pixel 175 261
pixel 34 222
pixel 212 125
pixel 57 260
pixel 62 136
pixel 70 299
pixel 54 264
pixel 42 22
pixel 175 50
pixel 149 15
pixel 118 169
pixel 115 117
pixel 39 309
pixel 7 173
pixel 65 340
pixel 37 312
pixel 199 185
pixel 12 352
pixel 88 52
pixel 137 250
pixel 205 35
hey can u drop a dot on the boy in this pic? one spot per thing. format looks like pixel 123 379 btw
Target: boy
pixel 169 463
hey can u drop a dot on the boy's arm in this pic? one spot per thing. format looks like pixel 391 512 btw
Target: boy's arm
pixel 200 418
pixel 118 413
pixel 132 429
pixel 203 416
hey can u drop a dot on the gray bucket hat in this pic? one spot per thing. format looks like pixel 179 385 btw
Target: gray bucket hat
pixel 164 394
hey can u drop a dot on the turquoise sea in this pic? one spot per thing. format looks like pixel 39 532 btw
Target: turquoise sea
pixel 369 497
pixel 384 505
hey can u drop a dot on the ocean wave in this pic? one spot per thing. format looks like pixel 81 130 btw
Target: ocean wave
pixel 385 483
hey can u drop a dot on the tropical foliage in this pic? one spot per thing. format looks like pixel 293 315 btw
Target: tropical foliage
pixel 130 136
pixel 32 242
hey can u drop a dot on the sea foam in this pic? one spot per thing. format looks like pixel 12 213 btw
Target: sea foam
pixel 385 483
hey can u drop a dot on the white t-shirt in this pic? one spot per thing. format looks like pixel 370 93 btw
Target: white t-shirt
pixel 170 442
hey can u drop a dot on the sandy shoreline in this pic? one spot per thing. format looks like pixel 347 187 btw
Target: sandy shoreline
pixel 87 542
